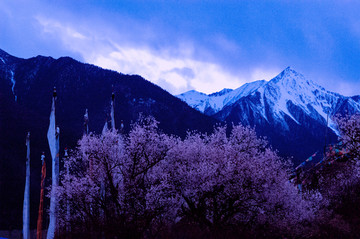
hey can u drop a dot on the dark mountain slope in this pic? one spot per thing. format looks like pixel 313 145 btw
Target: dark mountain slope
pixel 26 87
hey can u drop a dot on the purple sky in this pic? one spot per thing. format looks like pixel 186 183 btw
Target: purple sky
pixel 201 45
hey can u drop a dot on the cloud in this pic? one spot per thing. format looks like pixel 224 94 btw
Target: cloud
pixel 180 70
pixel 229 45
pixel 54 27
pixel 176 69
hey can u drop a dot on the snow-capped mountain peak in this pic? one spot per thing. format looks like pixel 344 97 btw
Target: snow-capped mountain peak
pixel 293 112
pixel 291 79
pixel 286 74
pixel 285 95
pixel 292 88
pixel 213 103
pixel 222 92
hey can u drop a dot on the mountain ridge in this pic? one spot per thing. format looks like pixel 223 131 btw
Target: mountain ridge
pixel 288 109
pixel 287 78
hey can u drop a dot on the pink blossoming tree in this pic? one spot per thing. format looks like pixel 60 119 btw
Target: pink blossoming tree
pixel 148 184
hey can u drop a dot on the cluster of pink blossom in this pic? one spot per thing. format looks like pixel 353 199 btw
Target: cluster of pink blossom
pixel 147 182
pixel 349 128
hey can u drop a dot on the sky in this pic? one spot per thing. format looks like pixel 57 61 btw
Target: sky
pixel 192 44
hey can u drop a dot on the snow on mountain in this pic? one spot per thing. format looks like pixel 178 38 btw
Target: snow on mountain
pixel 13 82
pixel 213 103
pixel 222 92
pixel 292 87
pixel 277 97
pixel 195 99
